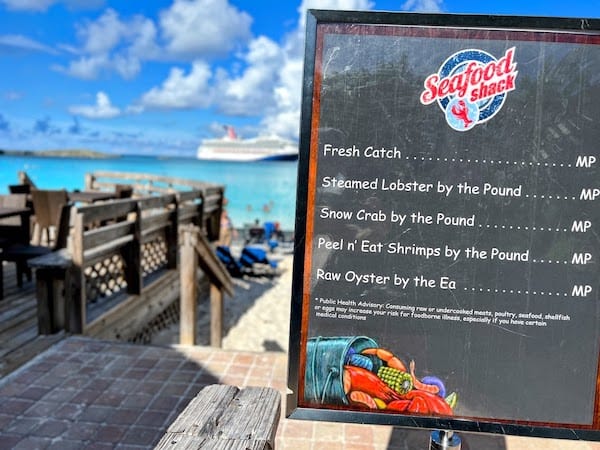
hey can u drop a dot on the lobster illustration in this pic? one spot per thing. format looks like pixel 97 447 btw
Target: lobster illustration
pixel 460 111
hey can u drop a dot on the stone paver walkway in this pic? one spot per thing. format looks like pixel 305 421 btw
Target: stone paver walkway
pixel 83 393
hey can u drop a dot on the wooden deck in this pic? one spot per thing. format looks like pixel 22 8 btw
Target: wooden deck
pixel 19 339
pixel 119 270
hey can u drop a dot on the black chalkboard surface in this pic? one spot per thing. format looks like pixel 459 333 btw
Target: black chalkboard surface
pixel 446 266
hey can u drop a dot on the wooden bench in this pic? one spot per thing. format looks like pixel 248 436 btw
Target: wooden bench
pixel 225 417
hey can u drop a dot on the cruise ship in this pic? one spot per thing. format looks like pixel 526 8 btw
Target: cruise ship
pixel 261 148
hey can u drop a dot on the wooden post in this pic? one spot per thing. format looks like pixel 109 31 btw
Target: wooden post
pixel 76 305
pixel 216 315
pixel 132 255
pixel 52 274
pixel 189 287
pixel 196 251
pixel 46 309
pixel 89 181
pixel 171 236
pixel 219 282
pixel 199 221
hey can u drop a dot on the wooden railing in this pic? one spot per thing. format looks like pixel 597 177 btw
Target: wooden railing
pixel 115 247
pixel 147 184
pixel 123 261
pixel 196 252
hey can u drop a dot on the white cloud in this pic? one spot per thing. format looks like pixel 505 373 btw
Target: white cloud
pixel 143 35
pixel 284 119
pixel 201 28
pixel 103 34
pixel 270 83
pixel 350 5
pixel 283 115
pixel 126 65
pixel 86 68
pixel 103 109
pixel 266 82
pixel 347 5
pixel 43 5
pixel 252 92
pixel 431 6
pixel 188 30
pixel 181 91
pixel 25 43
pixel 112 44
pixel 28 5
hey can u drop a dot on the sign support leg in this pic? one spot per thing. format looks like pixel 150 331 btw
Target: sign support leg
pixel 444 440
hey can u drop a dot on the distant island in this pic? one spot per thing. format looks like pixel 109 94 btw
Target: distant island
pixel 60 153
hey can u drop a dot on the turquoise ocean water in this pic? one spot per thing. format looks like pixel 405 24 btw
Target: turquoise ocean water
pixel 259 190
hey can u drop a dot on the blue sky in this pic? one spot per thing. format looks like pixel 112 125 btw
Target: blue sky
pixel 157 76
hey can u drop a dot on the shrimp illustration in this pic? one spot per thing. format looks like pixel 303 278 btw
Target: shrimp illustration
pixel 432 385
pixel 460 111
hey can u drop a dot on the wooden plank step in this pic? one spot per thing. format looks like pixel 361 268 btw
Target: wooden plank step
pixel 19 356
pixel 24 335
pixel 9 304
pixel 26 313
pixel 12 292
pixel 225 417
pixel 18 315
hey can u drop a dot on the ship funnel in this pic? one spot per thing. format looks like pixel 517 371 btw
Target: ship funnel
pixel 230 132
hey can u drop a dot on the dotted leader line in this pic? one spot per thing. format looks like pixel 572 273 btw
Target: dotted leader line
pixel 548 261
pixel 517 292
pixel 551 197
pixel 523 228
pixel 501 163
pixel 488 161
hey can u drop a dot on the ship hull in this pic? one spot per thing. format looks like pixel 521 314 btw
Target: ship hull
pixel 246 151
pixel 222 156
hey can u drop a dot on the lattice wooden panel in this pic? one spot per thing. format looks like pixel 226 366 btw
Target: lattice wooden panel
pixel 165 319
pixel 154 255
pixel 105 278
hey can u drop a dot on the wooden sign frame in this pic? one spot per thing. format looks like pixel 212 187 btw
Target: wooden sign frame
pixel 318 247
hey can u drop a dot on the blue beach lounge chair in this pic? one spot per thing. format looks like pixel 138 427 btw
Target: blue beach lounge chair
pixel 253 262
pixel 255 255
pixel 234 268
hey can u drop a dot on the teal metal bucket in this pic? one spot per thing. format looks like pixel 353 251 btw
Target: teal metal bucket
pixel 325 359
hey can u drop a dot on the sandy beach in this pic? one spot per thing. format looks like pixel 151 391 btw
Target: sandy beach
pixel 256 319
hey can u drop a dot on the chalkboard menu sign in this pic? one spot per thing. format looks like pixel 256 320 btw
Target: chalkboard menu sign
pixel 446 268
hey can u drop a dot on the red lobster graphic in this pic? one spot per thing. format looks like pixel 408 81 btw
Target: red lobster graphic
pixel 460 111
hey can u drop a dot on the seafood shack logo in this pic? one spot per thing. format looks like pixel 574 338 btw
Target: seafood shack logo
pixel 471 86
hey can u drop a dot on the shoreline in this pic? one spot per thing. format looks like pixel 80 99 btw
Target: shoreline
pixel 59 153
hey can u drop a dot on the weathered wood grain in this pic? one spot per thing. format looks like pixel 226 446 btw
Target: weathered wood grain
pixel 189 289
pixel 225 417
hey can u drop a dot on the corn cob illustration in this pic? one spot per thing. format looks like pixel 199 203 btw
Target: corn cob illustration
pixel 399 381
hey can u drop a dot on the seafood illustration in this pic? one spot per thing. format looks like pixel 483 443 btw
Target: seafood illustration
pixel 356 371
pixel 461 112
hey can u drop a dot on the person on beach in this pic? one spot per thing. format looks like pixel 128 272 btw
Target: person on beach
pixel 227 232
